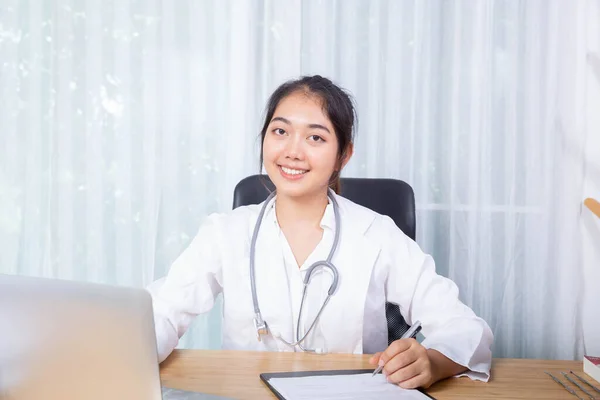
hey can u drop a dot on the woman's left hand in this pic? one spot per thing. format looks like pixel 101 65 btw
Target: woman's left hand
pixel 406 363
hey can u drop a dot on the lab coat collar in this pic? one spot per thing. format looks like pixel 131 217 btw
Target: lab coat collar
pixel 327 221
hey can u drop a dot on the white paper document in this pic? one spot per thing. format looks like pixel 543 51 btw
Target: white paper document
pixel 343 387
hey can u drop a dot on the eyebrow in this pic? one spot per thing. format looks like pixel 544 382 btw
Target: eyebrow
pixel 312 126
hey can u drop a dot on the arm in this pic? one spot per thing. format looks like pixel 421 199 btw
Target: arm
pixel 442 367
pixel 190 287
pixel 456 340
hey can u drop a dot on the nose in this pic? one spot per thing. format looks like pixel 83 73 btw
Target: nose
pixel 294 149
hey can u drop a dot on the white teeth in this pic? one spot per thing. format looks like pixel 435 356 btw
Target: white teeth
pixel 290 171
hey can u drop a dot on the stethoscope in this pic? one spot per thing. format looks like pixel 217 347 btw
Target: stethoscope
pixel 262 328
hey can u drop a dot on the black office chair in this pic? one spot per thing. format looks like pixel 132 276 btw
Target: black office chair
pixel 390 197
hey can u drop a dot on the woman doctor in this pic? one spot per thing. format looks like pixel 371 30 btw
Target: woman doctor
pixel 307 139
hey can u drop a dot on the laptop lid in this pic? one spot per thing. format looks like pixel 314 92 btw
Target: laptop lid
pixel 72 340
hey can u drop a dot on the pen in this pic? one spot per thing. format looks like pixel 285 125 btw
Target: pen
pixel 564 386
pixel 409 334
pixel 578 385
pixel 586 382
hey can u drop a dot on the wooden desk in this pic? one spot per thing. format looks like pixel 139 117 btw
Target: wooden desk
pixel 235 374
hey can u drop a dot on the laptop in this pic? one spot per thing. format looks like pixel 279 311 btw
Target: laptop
pixel 72 340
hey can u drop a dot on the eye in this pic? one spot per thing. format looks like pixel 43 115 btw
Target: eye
pixel 316 138
pixel 279 131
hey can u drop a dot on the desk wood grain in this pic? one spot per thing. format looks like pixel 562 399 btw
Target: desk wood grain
pixel 235 374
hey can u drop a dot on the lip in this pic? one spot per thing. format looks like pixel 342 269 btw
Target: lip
pixel 291 177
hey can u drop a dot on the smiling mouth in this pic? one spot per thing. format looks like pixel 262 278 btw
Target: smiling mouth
pixel 292 173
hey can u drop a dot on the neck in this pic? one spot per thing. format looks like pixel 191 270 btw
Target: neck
pixel 309 210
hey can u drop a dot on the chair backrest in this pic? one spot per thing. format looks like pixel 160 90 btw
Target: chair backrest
pixel 391 197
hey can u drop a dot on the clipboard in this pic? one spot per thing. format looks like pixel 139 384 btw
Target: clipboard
pixel 267 376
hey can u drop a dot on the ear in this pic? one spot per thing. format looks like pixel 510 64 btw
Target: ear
pixel 347 155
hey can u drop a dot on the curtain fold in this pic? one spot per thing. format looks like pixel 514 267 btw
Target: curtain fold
pixel 123 124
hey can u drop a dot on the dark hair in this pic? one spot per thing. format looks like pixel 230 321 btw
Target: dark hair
pixel 337 105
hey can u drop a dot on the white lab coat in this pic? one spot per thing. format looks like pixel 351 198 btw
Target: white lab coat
pixel 376 261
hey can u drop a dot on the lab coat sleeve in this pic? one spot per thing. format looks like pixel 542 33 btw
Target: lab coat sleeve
pixel 449 326
pixel 189 289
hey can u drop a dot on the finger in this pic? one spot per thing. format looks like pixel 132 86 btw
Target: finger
pixel 375 359
pixel 400 361
pixel 418 381
pixel 405 373
pixel 397 347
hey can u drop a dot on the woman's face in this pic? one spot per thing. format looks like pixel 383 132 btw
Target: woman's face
pixel 300 148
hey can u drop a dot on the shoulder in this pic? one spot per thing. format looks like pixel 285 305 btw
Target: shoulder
pixel 356 214
pixel 233 221
pixel 374 224
pixel 397 250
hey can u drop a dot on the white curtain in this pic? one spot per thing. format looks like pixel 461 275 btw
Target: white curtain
pixel 124 123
